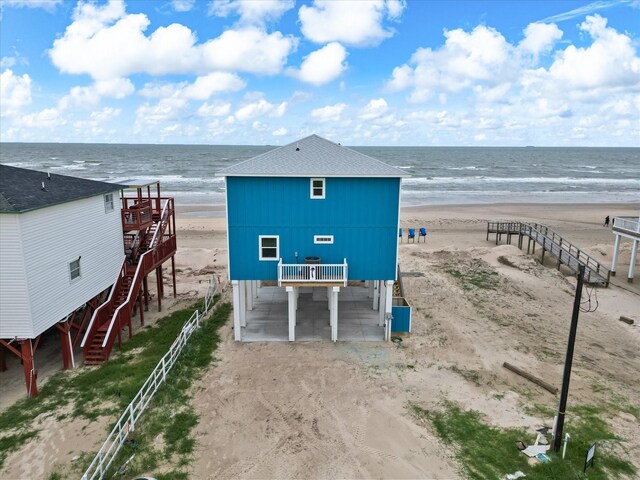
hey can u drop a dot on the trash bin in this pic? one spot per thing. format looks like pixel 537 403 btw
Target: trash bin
pixel 313 261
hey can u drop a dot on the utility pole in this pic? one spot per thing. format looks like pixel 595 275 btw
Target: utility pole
pixel 557 440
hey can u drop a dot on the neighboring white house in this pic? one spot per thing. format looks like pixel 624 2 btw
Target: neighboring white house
pixel 60 246
pixel 629 228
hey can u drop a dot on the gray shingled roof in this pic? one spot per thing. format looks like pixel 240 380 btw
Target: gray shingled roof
pixel 309 157
pixel 21 189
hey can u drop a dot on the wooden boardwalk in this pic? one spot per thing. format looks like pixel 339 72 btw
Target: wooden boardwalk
pixel 566 253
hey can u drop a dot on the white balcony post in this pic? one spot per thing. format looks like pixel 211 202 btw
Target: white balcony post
pixel 381 306
pixel 258 286
pixel 375 293
pixel 632 265
pixel 237 331
pixel 292 313
pixel 616 247
pixel 334 313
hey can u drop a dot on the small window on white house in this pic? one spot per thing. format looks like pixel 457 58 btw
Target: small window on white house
pixel 108 203
pixel 326 239
pixel 269 247
pixel 317 188
pixel 74 269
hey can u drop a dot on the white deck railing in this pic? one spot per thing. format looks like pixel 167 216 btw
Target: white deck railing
pixel 632 225
pixel 312 273
pixel 127 421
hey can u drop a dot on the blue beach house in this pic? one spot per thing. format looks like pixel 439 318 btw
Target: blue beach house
pixel 312 215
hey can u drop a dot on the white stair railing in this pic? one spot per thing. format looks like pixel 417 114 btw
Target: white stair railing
pixel 129 418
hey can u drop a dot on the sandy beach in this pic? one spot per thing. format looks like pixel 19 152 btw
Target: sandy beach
pixel 323 410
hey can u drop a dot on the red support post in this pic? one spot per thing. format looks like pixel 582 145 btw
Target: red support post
pixel 3 361
pixel 159 285
pixel 66 344
pixel 30 374
pixel 173 273
pixel 140 295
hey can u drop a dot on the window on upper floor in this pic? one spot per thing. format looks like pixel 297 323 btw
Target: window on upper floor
pixel 269 247
pixel 74 269
pixel 108 203
pixel 317 188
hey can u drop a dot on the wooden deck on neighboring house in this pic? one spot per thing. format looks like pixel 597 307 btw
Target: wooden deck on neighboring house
pixel 567 254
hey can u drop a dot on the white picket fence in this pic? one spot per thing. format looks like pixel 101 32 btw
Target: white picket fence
pixel 127 421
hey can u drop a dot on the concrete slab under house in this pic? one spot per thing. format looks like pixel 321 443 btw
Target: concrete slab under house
pixel 313 252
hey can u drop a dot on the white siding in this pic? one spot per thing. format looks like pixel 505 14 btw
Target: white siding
pixel 15 317
pixel 55 236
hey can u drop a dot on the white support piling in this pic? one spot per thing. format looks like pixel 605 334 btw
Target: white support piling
pixel 249 292
pixel 291 294
pixel 243 302
pixel 632 265
pixel 381 306
pixel 614 261
pixel 237 330
pixel 334 313
pixel 375 293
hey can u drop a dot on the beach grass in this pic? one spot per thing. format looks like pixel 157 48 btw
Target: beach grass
pixel 92 392
pixel 487 452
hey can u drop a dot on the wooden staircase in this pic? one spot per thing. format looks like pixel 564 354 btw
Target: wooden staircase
pixel 94 353
pixel 110 318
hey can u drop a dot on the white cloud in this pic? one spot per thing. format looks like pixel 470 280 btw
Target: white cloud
pixel 330 113
pixel 322 66
pixel 48 5
pixel 259 109
pixel 610 61
pixel 248 50
pixel 151 116
pixel 182 5
pixel 117 88
pixel 204 87
pixel 480 56
pixel 352 22
pixel 7 62
pixel 15 92
pixel 540 38
pixel 251 12
pixel 89 43
pixel 215 109
pixel 49 118
pixel 280 132
pixel 374 109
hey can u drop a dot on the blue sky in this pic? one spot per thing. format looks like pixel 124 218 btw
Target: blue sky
pixel 379 72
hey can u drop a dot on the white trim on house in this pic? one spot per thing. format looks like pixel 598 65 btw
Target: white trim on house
pixel 323 239
pixel 277 247
pixel 313 195
pixel 226 218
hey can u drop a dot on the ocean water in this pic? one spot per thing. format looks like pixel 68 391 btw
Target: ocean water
pixel 439 175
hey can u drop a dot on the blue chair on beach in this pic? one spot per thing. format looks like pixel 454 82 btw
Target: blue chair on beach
pixel 400 234
pixel 423 233
pixel 412 235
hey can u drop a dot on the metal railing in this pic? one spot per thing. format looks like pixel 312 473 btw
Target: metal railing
pixel 566 252
pixel 629 224
pixel 129 418
pixel 316 273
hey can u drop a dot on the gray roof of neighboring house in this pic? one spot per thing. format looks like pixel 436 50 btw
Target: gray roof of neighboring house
pixel 21 189
pixel 309 157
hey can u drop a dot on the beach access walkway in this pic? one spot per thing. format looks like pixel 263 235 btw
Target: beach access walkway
pixel 567 253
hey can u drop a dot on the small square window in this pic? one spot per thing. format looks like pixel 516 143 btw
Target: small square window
pixel 108 203
pixel 74 269
pixel 269 248
pixel 317 188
